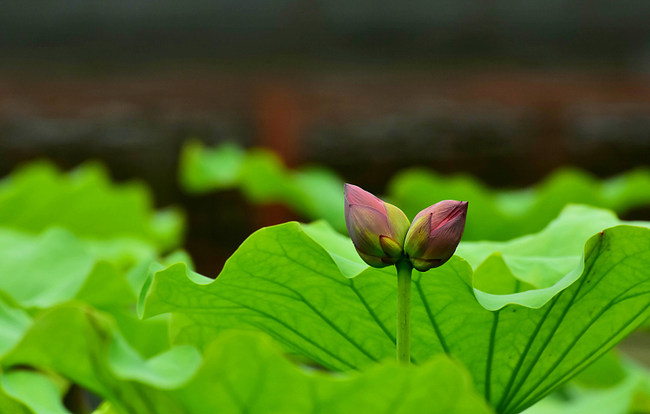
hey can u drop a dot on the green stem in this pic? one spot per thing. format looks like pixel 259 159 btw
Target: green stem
pixel 404 268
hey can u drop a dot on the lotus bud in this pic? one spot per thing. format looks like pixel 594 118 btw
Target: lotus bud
pixel 435 234
pixel 376 228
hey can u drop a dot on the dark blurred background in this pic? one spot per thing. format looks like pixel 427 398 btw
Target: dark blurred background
pixel 507 90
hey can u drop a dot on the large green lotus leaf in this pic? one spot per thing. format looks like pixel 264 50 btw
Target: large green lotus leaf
pixel 83 345
pixel 285 283
pixel 245 373
pixel 33 389
pixel 86 203
pixel 316 193
pixel 532 269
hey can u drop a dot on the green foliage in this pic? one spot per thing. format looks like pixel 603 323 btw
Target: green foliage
pixel 67 310
pixel 68 315
pixel 305 286
pixel 243 373
pixel 493 214
pixel 35 390
pixel 80 259
pixel 316 193
pixel 84 346
pixel 502 215
pixel 88 204
pixel 236 373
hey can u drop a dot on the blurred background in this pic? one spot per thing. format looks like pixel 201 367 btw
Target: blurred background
pixel 505 90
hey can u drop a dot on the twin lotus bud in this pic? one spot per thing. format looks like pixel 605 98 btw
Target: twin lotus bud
pixel 382 234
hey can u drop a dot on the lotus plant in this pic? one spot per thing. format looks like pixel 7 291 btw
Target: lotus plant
pixel 383 236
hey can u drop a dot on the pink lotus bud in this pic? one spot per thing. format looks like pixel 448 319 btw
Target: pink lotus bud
pixel 376 228
pixel 435 234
